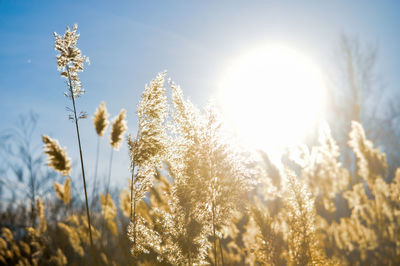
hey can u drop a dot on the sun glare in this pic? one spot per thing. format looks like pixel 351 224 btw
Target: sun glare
pixel 273 96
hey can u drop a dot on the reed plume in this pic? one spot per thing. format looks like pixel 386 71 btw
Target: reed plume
pixel 73 238
pixel 58 159
pixel 322 170
pixel 101 123
pixel 149 148
pixel 109 212
pixel 75 228
pixel 118 128
pixel 70 62
pixel 371 163
pixel 211 170
pixel 183 225
pixel 269 238
pixel 125 202
pixel 372 229
pixel 179 233
pixel 42 218
pixel 303 245
pixel 63 191
pixel 225 179
pixel 100 119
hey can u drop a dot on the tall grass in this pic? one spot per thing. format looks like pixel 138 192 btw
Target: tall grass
pixel 195 196
pixel 101 122
pixel 70 62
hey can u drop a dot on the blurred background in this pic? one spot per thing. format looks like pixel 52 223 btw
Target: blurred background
pixel 353 44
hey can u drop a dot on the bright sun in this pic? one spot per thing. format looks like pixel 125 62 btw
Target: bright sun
pixel 274 96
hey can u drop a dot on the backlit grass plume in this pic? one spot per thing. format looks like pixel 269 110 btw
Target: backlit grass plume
pixel 303 245
pixel 149 148
pixel 101 123
pixel 269 239
pixel 183 229
pixel 73 238
pixel 63 191
pixel 42 218
pixel 109 212
pixel 70 59
pixel 371 163
pixel 58 159
pixel 209 183
pixel 125 202
pixel 75 228
pixel 70 62
pixel 213 175
pixel 118 128
pixel 225 180
pixel 322 170
pixel 100 119
pixel 371 234
pixel 151 112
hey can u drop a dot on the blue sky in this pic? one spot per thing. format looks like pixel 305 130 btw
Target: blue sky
pixel 130 42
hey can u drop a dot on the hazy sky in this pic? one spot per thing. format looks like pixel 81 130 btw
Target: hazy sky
pixel 130 42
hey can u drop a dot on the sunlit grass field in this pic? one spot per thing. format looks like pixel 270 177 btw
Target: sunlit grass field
pixel 209 185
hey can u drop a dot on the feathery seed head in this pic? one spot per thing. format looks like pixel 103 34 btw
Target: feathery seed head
pixel 73 238
pixel 118 129
pixel 132 151
pixel 371 162
pixel 150 143
pixel 125 202
pixel 7 234
pixel 100 119
pixel 70 59
pixel 63 191
pixel 40 214
pixel 109 212
pixel 58 159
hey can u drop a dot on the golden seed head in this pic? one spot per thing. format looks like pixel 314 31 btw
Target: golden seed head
pixel 100 119
pixel 58 159
pixel 70 59
pixel 63 191
pixel 40 214
pixel 118 129
pixel 109 212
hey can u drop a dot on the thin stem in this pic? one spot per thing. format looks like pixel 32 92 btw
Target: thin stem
pixel 133 211
pixel 108 184
pixel 132 202
pixel 94 191
pixel 133 165
pixel 134 225
pixel 213 207
pixel 33 194
pixel 109 172
pixel 222 252
pixel 190 258
pixel 214 238
pixel 107 187
pixel 81 157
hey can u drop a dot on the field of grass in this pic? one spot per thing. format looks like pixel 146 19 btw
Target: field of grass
pixel 198 197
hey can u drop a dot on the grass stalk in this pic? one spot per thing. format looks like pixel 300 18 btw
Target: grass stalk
pixel 133 206
pixel 222 252
pixel 109 172
pixel 81 159
pixel 94 191
pixel 214 235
